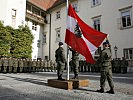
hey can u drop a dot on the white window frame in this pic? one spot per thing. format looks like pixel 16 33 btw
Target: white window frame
pixel 44 38
pixel 96 21
pixel 58 14
pixel 127 54
pixel 38 43
pixel 127 9
pixel 95 3
pixel 34 26
pixel 14 12
pixel 58 34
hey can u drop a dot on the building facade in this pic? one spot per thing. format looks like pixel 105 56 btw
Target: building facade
pixel 48 23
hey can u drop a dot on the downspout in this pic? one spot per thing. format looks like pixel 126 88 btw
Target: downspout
pixel 50 38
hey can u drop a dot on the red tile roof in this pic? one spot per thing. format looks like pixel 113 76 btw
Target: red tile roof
pixel 43 4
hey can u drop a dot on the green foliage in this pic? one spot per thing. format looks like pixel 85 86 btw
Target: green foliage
pixel 15 42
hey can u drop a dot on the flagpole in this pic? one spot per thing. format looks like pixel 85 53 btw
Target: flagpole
pixel 67 4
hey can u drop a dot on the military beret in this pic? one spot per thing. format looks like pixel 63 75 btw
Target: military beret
pixel 60 43
pixel 104 43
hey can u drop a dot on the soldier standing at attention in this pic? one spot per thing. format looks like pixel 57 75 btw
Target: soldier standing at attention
pixel 60 60
pixel 75 63
pixel 106 68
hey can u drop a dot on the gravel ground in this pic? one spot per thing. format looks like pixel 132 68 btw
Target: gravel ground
pixel 33 86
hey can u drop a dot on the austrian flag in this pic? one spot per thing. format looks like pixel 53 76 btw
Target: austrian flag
pixel 81 37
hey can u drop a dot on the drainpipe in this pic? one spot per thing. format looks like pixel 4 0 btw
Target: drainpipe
pixel 50 38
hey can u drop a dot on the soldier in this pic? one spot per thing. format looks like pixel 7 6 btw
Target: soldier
pixel 34 63
pixel 38 65
pixel 124 64
pixel 106 71
pixel 51 65
pixel 10 64
pixel 55 66
pixel 42 65
pixel 25 65
pixel 1 62
pixel 21 65
pixel 5 64
pixel 45 65
pixel 48 65
pixel 15 65
pixel 81 65
pixel 75 63
pixel 60 59
pixel 30 65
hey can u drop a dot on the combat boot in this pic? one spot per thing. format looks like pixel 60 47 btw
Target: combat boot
pixel 101 90
pixel 111 91
pixel 75 77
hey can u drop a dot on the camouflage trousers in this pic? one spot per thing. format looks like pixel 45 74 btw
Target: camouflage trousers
pixel 106 74
pixel 60 69
pixel 75 65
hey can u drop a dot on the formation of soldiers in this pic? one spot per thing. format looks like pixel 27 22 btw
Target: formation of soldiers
pixel 14 65
pixel 118 66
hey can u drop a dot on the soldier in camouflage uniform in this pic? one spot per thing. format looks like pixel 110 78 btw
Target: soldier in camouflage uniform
pixel 51 65
pixel 34 63
pixel 21 65
pixel 5 64
pixel 48 65
pixel 75 63
pixel 41 65
pixel 38 65
pixel 1 62
pixel 106 70
pixel 60 59
pixel 124 64
pixel 15 65
pixel 10 64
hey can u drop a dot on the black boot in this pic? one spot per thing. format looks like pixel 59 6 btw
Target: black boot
pixel 101 90
pixel 111 91
pixel 75 77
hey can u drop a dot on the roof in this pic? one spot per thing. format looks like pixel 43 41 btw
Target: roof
pixel 43 4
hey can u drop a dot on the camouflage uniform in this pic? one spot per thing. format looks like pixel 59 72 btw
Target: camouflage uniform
pixel 15 65
pixel 5 65
pixel 38 65
pixel 51 65
pixel 11 60
pixel 34 63
pixel 75 63
pixel 60 59
pixel 41 65
pixel 21 65
pixel 106 70
pixel 1 62
pixel 48 65
pixel 124 64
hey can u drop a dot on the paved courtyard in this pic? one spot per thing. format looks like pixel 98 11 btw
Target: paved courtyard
pixel 33 86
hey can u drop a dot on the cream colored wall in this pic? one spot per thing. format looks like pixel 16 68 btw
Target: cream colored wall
pixel 6 12
pixel 109 11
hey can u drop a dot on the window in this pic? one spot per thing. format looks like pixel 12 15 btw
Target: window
pixel 126 18
pixel 58 35
pixel 75 7
pixel 96 2
pixel 14 12
pixel 125 21
pixel 44 39
pixel 128 53
pixel 35 11
pixel 57 14
pixel 34 26
pixel 28 7
pixel 96 23
pixel 38 43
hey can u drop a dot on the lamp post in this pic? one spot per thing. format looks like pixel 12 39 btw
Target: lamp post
pixel 115 48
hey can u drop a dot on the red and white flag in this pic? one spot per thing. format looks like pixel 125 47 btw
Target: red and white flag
pixel 81 37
